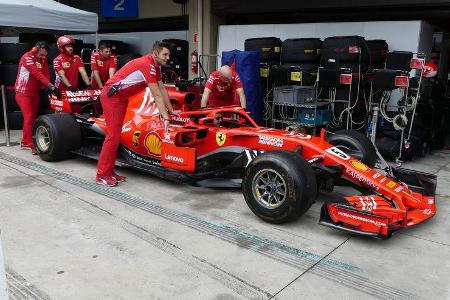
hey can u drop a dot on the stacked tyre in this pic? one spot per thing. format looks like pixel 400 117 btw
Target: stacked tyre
pixel 269 49
pixel 178 64
pixel 378 50
pixel 117 47
pixel 10 55
pixel 300 60
pixel 344 49
pixel 350 52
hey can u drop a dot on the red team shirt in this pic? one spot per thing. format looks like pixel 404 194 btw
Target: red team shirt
pixel 70 65
pixel 102 65
pixel 33 73
pixel 135 75
pixel 222 93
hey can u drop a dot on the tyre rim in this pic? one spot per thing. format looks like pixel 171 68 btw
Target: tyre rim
pixel 269 188
pixel 42 138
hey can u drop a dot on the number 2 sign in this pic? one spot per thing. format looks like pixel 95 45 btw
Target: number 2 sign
pixel 120 8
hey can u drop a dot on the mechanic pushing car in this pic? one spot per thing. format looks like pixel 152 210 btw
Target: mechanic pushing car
pixel 221 87
pixel 67 65
pixel 103 65
pixel 135 76
pixel 32 75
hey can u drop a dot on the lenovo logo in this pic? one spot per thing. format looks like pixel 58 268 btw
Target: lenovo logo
pixel 173 158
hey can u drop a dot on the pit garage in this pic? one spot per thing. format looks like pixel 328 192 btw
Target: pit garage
pixel 187 232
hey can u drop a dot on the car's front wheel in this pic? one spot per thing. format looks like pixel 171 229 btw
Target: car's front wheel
pixel 279 186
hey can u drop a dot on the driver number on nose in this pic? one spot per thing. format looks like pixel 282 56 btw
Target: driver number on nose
pixel 337 152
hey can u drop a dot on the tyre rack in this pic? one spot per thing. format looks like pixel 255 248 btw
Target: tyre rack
pixel 403 109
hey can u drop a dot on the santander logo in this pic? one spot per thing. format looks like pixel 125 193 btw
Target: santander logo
pixel 173 158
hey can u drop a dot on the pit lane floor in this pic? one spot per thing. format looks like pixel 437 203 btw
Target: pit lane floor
pixel 64 237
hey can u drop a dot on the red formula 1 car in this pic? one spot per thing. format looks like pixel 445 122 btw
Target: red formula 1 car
pixel 281 171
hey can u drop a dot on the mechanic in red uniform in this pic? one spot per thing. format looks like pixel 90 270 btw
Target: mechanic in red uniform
pixel 103 66
pixel 221 87
pixel 67 65
pixel 32 75
pixel 135 76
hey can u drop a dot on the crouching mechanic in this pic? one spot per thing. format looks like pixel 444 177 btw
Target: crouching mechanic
pixel 32 75
pixel 67 65
pixel 221 87
pixel 103 66
pixel 135 76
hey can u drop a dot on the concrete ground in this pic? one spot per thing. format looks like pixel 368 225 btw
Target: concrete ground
pixel 64 237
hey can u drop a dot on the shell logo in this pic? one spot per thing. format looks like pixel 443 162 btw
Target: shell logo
pixel 153 144
pixel 360 166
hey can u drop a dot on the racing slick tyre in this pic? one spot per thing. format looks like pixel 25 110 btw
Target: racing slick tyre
pixel 355 144
pixel 55 135
pixel 279 186
pixel 344 49
pixel 269 47
pixel 378 50
pixel 301 50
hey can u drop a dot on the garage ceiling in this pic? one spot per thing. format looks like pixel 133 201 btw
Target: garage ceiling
pixel 287 11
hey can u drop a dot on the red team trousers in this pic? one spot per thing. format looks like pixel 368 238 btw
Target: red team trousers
pixel 114 108
pixel 29 105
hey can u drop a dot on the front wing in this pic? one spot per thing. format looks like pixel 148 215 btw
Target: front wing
pixel 377 216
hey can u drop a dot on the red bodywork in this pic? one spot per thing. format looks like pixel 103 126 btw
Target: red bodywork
pixel 387 206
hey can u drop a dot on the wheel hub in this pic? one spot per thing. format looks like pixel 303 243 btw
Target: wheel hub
pixel 42 139
pixel 269 188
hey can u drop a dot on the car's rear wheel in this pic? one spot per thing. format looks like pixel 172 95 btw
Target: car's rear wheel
pixel 356 145
pixel 55 136
pixel 279 186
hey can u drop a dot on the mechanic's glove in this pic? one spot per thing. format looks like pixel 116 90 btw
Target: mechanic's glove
pixel 73 89
pixel 175 113
pixel 166 125
pixel 112 91
pixel 56 92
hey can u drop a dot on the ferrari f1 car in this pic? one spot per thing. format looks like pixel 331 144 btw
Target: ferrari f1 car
pixel 281 171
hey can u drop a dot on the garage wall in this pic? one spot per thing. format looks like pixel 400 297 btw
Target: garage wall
pixel 141 41
pixel 158 9
pixel 400 35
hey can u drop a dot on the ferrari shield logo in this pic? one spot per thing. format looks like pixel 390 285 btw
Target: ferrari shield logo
pixel 135 139
pixel 220 138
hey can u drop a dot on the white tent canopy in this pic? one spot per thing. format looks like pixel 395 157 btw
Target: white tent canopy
pixel 47 15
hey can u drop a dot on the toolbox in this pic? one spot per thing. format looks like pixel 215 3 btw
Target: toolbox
pixel 294 94
pixel 314 116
